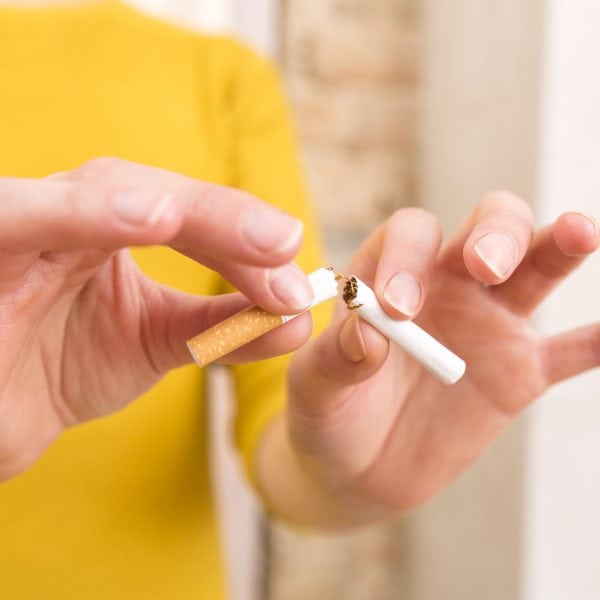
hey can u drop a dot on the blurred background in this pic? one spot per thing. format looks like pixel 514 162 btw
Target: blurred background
pixel 432 103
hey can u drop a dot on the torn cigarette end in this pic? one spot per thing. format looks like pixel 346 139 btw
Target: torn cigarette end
pixel 252 322
pixel 349 290
pixel 429 352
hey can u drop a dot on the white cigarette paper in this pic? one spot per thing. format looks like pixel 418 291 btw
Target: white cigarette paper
pixel 434 356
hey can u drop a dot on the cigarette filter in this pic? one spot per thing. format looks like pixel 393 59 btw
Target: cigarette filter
pixel 252 322
pixel 435 357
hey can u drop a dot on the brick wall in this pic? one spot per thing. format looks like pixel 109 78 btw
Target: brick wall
pixel 352 69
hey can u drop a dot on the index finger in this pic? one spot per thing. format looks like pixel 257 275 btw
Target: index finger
pixel 229 231
pixel 220 223
pixel 399 258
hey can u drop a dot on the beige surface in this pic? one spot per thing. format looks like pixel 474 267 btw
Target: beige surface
pixel 480 98
pixel 563 493
pixel 480 101
pixel 352 72
pixel 431 102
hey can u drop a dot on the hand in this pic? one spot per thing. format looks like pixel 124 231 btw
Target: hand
pixel 82 330
pixel 369 432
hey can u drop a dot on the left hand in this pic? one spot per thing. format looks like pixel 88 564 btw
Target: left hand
pixel 83 331
pixel 368 427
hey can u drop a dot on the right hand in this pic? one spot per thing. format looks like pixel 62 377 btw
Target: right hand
pixel 368 431
pixel 82 330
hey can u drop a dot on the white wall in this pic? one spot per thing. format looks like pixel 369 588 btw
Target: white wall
pixel 562 551
pixel 492 121
pixel 253 20
pixel 480 110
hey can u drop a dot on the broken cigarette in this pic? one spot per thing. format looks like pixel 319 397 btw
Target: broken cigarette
pixel 252 322
pixel 433 355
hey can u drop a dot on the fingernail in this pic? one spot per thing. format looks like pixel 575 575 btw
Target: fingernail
pixel 141 208
pixel 290 286
pixel 592 221
pixel 403 292
pixel 352 342
pixel 271 230
pixel 498 252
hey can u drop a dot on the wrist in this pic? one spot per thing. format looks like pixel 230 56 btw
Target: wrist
pixel 293 491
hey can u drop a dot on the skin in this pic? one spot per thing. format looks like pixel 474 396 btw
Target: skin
pixel 83 331
pixel 368 432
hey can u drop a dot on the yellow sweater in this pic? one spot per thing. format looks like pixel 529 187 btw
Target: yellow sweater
pixel 121 508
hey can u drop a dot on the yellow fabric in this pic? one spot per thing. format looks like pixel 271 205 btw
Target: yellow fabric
pixel 121 507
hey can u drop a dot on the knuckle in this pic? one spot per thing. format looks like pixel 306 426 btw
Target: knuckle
pixel 200 200
pixel 421 226
pixel 242 199
pixel 96 168
pixel 203 201
pixel 414 212
pixel 552 267
pixel 77 200
pixel 72 198
pixel 505 199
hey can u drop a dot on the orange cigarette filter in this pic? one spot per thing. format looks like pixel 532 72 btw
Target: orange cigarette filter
pixel 231 334
pixel 252 322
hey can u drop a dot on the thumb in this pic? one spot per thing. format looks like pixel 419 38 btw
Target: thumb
pixel 332 421
pixel 329 367
pixel 174 317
